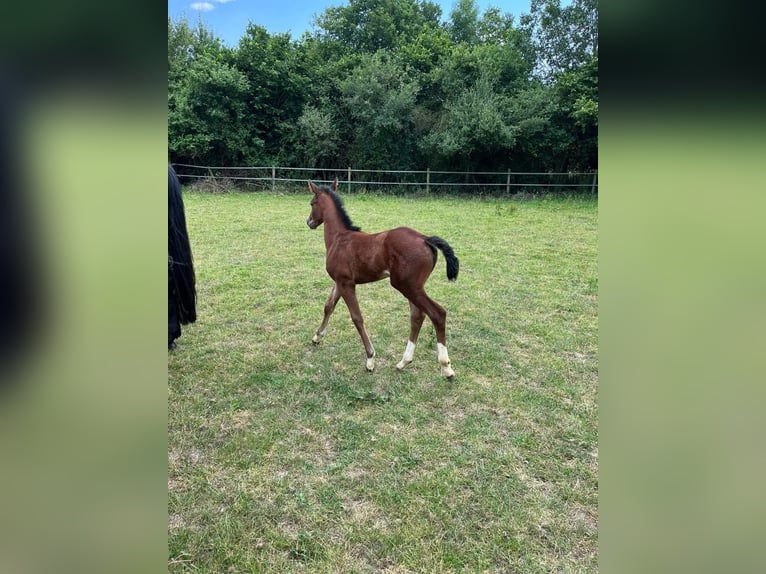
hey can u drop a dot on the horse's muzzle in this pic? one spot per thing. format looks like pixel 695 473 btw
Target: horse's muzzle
pixel 310 223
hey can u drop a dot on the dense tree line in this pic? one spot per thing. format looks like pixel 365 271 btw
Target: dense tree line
pixel 386 84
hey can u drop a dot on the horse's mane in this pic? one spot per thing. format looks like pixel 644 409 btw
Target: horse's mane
pixel 341 210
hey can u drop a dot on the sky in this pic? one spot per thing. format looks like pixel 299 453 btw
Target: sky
pixel 228 19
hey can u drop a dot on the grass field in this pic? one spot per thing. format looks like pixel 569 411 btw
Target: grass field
pixel 289 457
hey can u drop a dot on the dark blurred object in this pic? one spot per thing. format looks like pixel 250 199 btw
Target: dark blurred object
pixel 670 56
pixel 96 44
pixel 20 300
pixel 182 295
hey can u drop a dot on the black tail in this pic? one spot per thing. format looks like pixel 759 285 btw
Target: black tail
pixel 453 264
pixel 181 277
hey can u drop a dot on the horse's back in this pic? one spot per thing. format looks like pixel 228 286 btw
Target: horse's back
pixel 406 239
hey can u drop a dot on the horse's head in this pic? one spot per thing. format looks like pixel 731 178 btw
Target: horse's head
pixel 316 217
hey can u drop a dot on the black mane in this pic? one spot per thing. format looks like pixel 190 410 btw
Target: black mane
pixel 341 210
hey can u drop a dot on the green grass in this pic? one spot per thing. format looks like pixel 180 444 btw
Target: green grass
pixel 289 457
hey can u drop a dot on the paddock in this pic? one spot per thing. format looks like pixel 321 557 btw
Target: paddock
pixel 286 456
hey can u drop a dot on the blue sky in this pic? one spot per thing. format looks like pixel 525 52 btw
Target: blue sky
pixel 228 19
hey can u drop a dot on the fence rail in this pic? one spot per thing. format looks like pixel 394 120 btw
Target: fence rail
pixel 261 176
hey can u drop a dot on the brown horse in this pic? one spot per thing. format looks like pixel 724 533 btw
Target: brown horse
pixel 405 256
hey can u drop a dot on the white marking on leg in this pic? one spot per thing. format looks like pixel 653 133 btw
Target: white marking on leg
pixel 318 336
pixel 409 352
pixel 446 366
pixel 371 361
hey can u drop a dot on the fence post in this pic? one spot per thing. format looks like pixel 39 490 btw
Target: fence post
pixel 508 183
pixel 215 184
pixel 349 179
pixel 273 177
pixel 428 180
pixel 595 177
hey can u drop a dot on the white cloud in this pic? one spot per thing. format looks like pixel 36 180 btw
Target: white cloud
pixel 207 6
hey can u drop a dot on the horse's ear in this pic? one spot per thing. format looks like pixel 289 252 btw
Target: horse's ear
pixel 314 189
pixel 335 185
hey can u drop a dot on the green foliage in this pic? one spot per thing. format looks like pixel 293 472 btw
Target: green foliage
pixel 427 49
pixel 473 128
pixel 532 113
pixel 380 98
pixel 464 22
pixel 565 38
pixel 372 25
pixel 387 84
pixel 275 102
pixel 502 64
pixel 317 138
pixel 577 96
pixel 204 122
pixel 185 44
pixel 585 112
pixel 579 90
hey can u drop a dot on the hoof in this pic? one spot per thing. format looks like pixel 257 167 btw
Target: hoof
pixel 370 364
pixel 400 365
pixel 315 340
pixel 448 373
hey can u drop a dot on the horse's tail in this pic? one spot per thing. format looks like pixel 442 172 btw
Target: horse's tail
pixel 453 264
pixel 181 276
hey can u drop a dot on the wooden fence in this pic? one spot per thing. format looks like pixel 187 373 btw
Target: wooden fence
pixel 497 182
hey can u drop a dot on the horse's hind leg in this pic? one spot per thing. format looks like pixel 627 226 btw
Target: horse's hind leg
pixel 348 292
pixel 329 307
pixel 416 321
pixel 438 316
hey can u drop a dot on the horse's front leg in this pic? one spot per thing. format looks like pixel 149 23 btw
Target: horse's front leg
pixel 348 292
pixel 329 307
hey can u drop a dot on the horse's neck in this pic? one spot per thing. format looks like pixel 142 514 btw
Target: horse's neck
pixel 331 232
pixel 333 227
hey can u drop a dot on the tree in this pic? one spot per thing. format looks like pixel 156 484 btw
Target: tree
pixel 564 38
pixel 464 22
pixel 473 132
pixel 380 97
pixel 386 84
pixel 566 45
pixel 205 123
pixel 541 143
pixel 277 87
pixel 185 44
pixel 371 25
pixel 205 98
pixel 577 97
pixel 317 138
pixel 425 51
